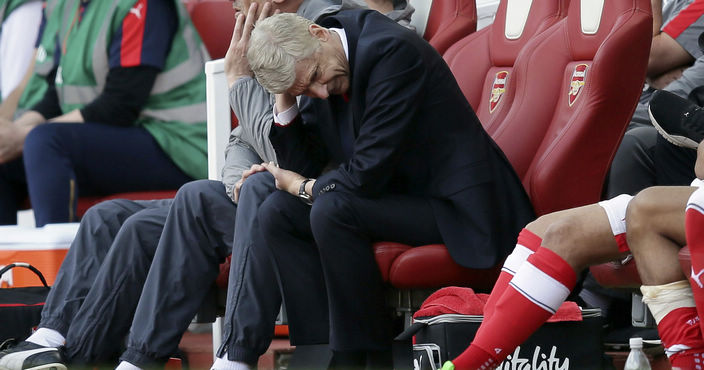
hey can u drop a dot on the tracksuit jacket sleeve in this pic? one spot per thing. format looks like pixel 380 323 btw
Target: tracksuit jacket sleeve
pixel 253 108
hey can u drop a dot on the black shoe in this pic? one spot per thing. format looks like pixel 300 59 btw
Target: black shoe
pixel 677 119
pixel 30 356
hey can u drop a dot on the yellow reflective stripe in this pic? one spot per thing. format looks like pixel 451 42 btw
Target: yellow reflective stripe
pixel 69 94
pixel 191 114
pixel 186 70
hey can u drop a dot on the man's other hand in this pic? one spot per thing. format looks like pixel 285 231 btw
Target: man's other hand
pixel 286 180
pixel 245 174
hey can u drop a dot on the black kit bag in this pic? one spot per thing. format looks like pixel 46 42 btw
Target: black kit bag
pixel 21 308
pixel 441 336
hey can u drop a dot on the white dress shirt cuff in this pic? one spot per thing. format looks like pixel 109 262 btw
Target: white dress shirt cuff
pixel 285 117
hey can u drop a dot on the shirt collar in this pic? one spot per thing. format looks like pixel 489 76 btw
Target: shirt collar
pixel 343 38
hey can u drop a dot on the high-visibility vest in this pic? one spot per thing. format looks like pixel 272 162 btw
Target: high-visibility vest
pixel 175 111
pixel 43 60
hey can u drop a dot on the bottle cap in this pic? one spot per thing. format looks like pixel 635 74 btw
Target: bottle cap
pixel 636 342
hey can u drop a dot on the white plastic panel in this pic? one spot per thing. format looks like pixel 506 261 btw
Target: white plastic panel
pixel 486 10
pixel 591 15
pixel 516 16
pixel 419 20
pixel 218 116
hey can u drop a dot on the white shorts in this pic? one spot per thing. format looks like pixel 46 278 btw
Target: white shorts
pixel 616 212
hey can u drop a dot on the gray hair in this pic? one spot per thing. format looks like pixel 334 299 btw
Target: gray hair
pixel 276 45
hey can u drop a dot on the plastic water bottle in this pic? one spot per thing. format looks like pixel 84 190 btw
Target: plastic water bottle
pixel 636 358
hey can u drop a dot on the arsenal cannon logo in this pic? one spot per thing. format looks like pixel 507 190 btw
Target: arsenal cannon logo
pixel 497 90
pixel 577 82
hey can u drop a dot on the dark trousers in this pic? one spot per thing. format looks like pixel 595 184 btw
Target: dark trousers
pixel 646 159
pixel 253 295
pixel 65 160
pixel 124 275
pixel 326 264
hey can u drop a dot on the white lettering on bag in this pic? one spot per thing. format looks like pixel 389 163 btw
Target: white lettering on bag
pixel 539 361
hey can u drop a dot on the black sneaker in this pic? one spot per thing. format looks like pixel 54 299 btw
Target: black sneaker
pixel 30 356
pixel 678 120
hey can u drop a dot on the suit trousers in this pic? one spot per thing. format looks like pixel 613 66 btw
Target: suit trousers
pixel 142 268
pixel 326 263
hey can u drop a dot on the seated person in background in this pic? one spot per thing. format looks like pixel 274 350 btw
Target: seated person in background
pixel 124 115
pixel 35 82
pixel 676 27
pixel 636 165
pixel 19 26
pixel 140 242
pixel 644 159
pixel 552 250
pixel 410 163
pixel 398 10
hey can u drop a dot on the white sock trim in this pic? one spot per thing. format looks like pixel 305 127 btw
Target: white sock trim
pixel 696 201
pixel 663 299
pixel 539 287
pixel 222 363
pixel 124 365
pixel 47 337
pixel 514 261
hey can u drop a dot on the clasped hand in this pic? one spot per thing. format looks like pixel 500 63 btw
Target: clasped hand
pixel 286 180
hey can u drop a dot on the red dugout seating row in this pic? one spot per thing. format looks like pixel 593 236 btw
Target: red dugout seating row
pixel 565 104
pixel 555 93
pixel 449 21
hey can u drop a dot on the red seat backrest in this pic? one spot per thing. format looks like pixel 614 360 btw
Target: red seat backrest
pixel 586 73
pixel 483 61
pixel 214 20
pixel 449 21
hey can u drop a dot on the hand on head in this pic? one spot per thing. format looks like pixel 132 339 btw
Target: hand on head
pixel 236 64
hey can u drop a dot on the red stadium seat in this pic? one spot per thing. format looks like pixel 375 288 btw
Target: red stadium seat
pixel 576 86
pixel 450 21
pixel 475 61
pixel 483 61
pixel 214 20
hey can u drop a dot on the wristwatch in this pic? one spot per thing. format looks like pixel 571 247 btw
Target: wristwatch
pixel 305 197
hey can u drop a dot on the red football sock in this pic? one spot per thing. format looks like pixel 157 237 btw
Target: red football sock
pixel 536 292
pixel 682 338
pixel 694 229
pixel 527 243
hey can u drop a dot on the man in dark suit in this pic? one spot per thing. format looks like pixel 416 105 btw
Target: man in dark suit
pixel 411 163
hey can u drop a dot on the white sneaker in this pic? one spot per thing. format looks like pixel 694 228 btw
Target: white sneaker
pixel 30 356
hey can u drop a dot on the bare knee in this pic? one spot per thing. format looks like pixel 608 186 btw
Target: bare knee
pixel 567 238
pixel 641 211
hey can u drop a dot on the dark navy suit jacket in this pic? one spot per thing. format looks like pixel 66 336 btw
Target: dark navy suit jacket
pixel 406 128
